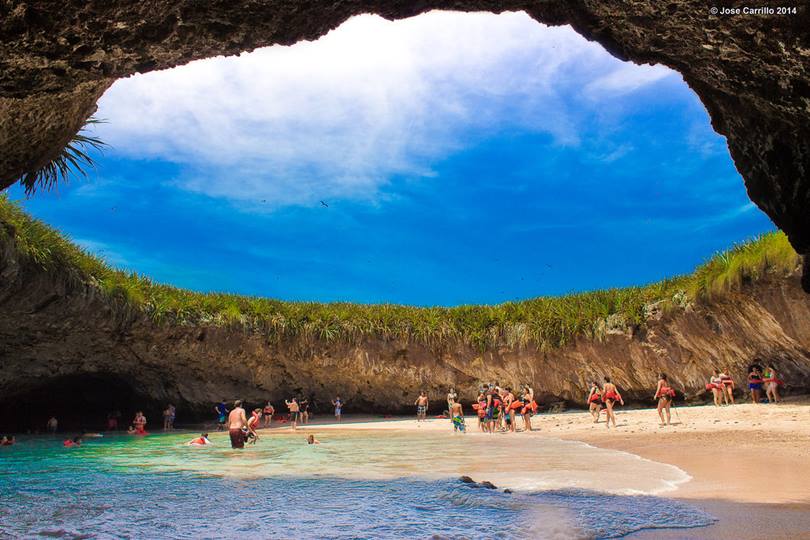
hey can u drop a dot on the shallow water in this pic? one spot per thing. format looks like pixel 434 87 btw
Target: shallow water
pixel 363 484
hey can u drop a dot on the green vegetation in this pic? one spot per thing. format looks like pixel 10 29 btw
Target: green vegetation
pixel 546 322
pixel 73 159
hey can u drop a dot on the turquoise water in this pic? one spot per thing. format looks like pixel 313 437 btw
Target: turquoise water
pixel 354 485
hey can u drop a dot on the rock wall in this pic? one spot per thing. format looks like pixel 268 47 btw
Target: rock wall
pixel 67 348
pixel 751 71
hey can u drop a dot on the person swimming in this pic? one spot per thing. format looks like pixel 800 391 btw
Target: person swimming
pixel 131 430
pixel 75 441
pixel 312 440
pixel 7 440
pixel 594 402
pixel 202 440
pixel 664 393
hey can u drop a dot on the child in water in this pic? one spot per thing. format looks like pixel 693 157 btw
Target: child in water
pixel 202 440
pixel 312 440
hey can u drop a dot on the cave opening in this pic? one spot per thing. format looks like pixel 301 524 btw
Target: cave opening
pixel 494 131
pixel 78 401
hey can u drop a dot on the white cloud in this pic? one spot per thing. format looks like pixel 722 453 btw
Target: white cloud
pixel 373 99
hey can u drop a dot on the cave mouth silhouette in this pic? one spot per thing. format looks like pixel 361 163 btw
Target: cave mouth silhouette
pixel 79 402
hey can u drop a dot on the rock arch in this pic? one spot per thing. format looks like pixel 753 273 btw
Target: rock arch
pixel 751 72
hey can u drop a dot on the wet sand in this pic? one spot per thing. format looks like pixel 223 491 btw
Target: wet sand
pixel 748 462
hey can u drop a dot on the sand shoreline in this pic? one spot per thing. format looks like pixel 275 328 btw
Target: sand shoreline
pixel 747 462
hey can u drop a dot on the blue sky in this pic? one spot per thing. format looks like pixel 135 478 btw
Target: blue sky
pixel 464 158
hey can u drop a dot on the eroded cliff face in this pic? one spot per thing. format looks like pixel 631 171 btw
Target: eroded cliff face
pixel 751 71
pixel 67 348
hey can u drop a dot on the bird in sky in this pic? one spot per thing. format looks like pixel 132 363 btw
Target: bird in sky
pixel 324 204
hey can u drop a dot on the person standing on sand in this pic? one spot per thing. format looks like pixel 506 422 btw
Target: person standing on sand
pixel 717 387
pixel 728 386
pixel 451 398
pixel 338 403
pixel 610 395
pixel 772 383
pixel 755 383
pixel 222 414
pixel 529 408
pixel 268 413
pixel 492 402
pixel 295 412
pixel 594 402
pixel 664 394
pixel 482 409
pixel 457 416
pixel 421 406
pixel 303 405
pixel 509 411
pixel 168 417
pixel 140 423
pixel 236 422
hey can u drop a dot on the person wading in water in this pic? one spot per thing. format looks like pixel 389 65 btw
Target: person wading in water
pixel 236 421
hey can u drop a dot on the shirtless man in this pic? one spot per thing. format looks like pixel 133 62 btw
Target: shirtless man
pixel 295 412
pixel 457 414
pixel 421 406
pixel 236 421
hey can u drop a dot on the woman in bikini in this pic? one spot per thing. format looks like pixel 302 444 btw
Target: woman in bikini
pixel 728 387
pixel 610 395
pixel 772 383
pixel 717 387
pixel 268 413
pixel 529 407
pixel 664 394
pixel 594 402
pixel 755 384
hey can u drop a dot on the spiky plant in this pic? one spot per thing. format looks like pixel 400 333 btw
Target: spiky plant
pixel 72 160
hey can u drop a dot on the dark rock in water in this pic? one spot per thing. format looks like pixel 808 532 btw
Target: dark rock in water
pixel 488 485
pixel 507 491
pixel 467 480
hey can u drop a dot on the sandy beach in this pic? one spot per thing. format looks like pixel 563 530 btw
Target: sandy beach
pixel 748 463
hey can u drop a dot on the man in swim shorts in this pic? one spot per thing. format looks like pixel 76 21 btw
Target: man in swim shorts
pixel 236 421
pixel 421 406
pixel 295 412
pixel 338 403
pixel 222 414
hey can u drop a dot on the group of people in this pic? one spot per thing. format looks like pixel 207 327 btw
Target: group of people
pixel 722 385
pixel 7 440
pixel 497 409
pixel 243 430
pixel 605 398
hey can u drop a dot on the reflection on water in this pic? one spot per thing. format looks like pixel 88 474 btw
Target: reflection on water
pixel 354 485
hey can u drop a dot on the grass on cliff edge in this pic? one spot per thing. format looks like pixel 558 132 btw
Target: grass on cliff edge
pixel 546 322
